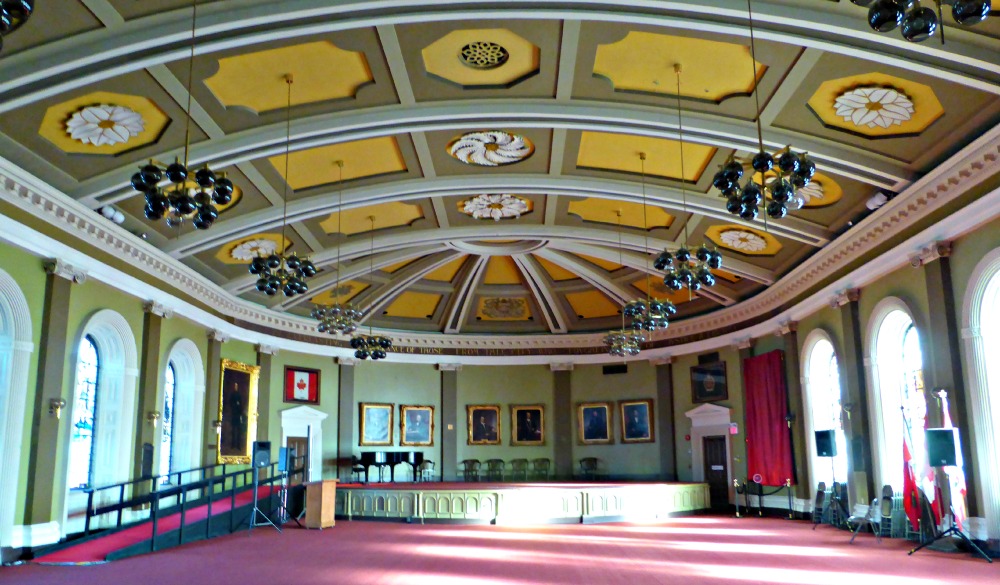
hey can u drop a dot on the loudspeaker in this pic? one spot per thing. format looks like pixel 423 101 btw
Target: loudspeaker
pixel 261 453
pixel 147 460
pixel 826 444
pixel 942 447
pixel 282 459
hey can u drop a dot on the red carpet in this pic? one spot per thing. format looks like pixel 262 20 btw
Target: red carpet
pixel 698 550
pixel 99 548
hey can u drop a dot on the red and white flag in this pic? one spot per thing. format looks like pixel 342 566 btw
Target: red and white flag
pixel 911 497
pixel 956 474
pixel 301 385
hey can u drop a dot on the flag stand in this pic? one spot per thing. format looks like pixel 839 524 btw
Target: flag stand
pixel 954 530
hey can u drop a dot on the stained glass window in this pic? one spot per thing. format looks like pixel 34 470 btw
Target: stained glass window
pixel 166 437
pixel 81 444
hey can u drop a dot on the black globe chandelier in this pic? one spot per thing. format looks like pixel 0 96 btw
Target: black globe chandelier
pixel 684 269
pixel 371 346
pixel 781 174
pixel 338 318
pixel 279 270
pixel 181 199
pixel 918 23
pixel 13 14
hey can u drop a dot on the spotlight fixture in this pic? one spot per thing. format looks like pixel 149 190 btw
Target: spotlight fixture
pixel 13 14
pixel 182 199
pixel 371 346
pixel 918 23
pixel 337 319
pixel 284 272
pixel 782 174
pixel 682 267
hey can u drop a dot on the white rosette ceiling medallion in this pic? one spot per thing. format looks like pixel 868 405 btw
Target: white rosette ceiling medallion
pixel 247 251
pixel 495 207
pixel 743 240
pixel 490 149
pixel 874 106
pixel 104 125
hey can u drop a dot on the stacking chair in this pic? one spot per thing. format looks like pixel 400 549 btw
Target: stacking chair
pixel 470 469
pixel 426 470
pixel 818 506
pixel 869 516
pixel 494 469
pixel 540 469
pixel 519 469
pixel 357 470
pixel 588 468
pixel 886 511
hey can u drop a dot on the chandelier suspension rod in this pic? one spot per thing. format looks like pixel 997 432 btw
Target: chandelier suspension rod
pixel 371 264
pixel 288 138
pixel 645 225
pixel 190 82
pixel 680 134
pixel 340 219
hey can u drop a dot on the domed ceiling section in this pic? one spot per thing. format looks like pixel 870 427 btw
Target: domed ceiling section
pixel 515 175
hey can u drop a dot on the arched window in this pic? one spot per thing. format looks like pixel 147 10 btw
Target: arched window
pixel 823 400
pixel 81 443
pixel 166 440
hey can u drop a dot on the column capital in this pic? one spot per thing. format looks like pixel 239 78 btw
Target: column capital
pixel 561 367
pixel 61 269
pixel 850 295
pixel 449 367
pixel 661 361
pixel 931 253
pixel 267 349
pixel 346 361
pixel 785 328
pixel 216 335
pixel 157 309
pixel 743 344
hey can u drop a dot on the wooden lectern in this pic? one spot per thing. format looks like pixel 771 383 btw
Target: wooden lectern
pixel 321 500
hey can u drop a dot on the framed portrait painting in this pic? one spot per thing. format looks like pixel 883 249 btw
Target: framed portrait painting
pixel 527 422
pixel 593 422
pixel 484 424
pixel 416 425
pixel 708 382
pixel 376 423
pixel 301 385
pixel 636 417
pixel 237 412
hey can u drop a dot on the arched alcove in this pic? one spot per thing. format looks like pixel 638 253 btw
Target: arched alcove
pixel 822 397
pixel 189 404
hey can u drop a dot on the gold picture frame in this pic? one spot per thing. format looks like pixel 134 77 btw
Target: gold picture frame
pixel 593 423
pixel 484 424
pixel 237 412
pixel 637 420
pixel 416 425
pixel 376 423
pixel 527 424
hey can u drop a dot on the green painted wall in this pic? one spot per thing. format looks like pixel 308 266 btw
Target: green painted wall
pixel 631 460
pixel 504 386
pixel 908 284
pixel 239 351
pixel 967 252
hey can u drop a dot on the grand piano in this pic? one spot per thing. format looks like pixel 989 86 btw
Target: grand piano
pixel 390 459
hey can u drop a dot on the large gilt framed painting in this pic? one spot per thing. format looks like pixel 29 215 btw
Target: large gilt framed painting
pixel 416 425
pixel 376 423
pixel 527 423
pixel 484 424
pixel 636 417
pixel 237 412
pixel 593 421
pixel 708 383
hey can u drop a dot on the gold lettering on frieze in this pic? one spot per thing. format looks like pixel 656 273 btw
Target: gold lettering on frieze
pixel 497 352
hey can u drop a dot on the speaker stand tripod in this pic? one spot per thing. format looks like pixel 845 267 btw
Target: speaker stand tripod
pixel 256 508
pixel 283 514
pixel 954 530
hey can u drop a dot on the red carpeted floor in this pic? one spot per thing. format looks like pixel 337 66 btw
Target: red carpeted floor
pixel 699 550
pixel 98 549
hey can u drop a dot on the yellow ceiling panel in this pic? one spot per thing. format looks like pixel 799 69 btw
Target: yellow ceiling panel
pixel 414 305
pixel 876 104
pixel 447 272
pixel 658 291
pixel 620 152
pixel 394 267
pixel 609 266
pixel 387 215
pixel 502 270
pixel 743 239
pixel 320 71
pixel 342 294
pixel 555 271
pixel 710 70
pixel 362 158
pixel 725 275
pixel 600 210
pixel 503 309
pixel 112 123
pixel 592 304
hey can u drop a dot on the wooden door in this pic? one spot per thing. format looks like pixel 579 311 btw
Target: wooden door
pixel 299 444
pixel 716 472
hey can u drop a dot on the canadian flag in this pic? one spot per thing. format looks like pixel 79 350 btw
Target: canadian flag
pixel 300 385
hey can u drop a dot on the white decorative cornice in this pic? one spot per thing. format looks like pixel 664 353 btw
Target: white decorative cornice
pixel 157 309
pixel 561 367
pixel 267 349
pixel 216 335
pixel 930 253
pixel 449 367
pixel 61 269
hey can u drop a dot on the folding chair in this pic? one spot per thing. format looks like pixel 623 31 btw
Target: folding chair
pixel 869 516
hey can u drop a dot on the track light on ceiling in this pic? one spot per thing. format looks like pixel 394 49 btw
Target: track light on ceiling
pixel 181 199
pixel 918 23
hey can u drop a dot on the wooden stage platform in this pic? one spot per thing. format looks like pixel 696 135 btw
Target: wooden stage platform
pixel 520 503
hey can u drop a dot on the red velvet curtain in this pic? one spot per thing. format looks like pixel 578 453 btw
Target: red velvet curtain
pixel 769 445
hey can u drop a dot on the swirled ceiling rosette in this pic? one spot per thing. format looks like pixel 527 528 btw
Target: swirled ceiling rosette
pixel 490 149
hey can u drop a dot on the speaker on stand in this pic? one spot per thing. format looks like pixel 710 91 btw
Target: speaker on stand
pixel 260 458
pixel 286 464
pixel 826 446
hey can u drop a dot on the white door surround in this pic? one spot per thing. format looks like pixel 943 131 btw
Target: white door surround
pixel 709 420
pixel 305 421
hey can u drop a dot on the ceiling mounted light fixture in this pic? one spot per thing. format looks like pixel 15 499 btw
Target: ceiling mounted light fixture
pixel 371 346
pixel 493 148
pixel 683 268
pixel 281 271
pixel 182 199
pixel 495 207
pixel 13 14
pixel 337 319
pixel 781 174
pixel 623 342
pixel 918 23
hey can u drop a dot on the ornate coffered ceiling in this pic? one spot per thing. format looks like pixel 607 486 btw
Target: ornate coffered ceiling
pixel 546 102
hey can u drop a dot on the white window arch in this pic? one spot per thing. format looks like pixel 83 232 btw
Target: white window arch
pixel 15 353
pixel 167 428
pixel 896 400
pixel 189 405
pixel 981 331
pixel 823 409
pixel 115 425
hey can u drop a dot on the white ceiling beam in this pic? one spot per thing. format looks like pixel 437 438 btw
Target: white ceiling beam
pixel 375 299
pixel 461 301
pixel 546 299
pixel 597 278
